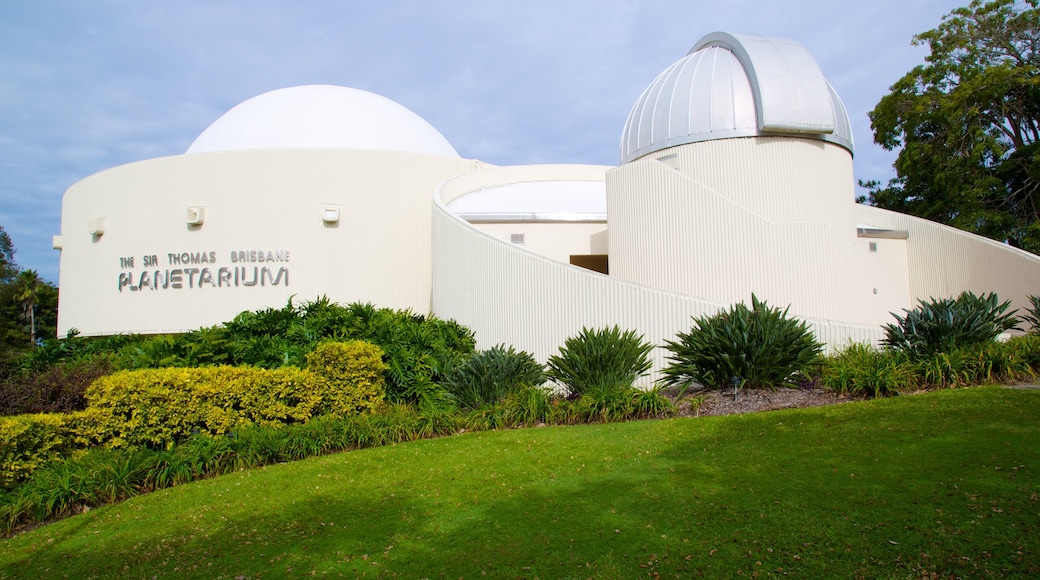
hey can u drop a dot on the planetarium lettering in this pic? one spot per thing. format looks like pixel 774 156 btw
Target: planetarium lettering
pixel 247 268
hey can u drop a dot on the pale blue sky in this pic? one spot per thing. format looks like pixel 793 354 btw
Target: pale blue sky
pixel 88 85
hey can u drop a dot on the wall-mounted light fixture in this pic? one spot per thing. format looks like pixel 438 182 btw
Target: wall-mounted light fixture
pixel 96 226
pixel 330 213
pixel 56 242
pixel 196 215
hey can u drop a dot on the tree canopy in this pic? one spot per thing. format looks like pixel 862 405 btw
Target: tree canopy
pixel 967 125
pixel 28 304
pixel 8 268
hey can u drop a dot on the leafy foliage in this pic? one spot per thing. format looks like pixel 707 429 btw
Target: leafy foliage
pixel 58 389
pixel 760 346
pixel 8 267
pixel 418 350
pixel 601 361
pixel 489 375
pixel 945 325
pixel 863 370
pixel 967 125
pixel 1032 315
pixel 157 407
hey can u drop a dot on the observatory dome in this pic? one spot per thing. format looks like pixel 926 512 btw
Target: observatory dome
pixel 322 116
pixel 736 86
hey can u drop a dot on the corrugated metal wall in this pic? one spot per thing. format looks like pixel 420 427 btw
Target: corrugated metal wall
pixel 512 296
pixel 945 261
pixel 704 225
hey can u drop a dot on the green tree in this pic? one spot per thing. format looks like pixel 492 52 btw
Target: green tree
pixel 29 286
pixel 8 268
pixel 966 125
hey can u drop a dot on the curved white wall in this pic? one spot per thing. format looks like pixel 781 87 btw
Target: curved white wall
pixel 766 215
pixel 263 200
pixel 513 296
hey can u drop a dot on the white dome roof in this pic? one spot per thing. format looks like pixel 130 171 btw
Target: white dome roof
pixel 736 86
pixel 322 116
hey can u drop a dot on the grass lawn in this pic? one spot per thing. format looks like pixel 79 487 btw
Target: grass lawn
pixel 944 482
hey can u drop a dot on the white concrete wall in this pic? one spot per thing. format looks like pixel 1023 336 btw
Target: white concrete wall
pixel 266 200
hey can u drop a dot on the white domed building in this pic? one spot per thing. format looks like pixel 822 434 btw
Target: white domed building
pixel 735 177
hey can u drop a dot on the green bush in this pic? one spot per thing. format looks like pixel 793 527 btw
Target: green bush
pixel 759 346
pixel 942 326
pixel 157 407
pixel 28 442
pixel 863 370
pixel 418 350
pixel 1033 315
pixel 981 363
pixel 489 375
pixel 600 361
pixel 352 376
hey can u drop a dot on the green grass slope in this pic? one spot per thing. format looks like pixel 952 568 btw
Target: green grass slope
pixel 945 482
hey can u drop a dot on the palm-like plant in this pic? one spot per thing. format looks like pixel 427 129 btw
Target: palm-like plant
pixel 28 296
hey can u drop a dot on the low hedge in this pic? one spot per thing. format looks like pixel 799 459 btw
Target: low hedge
pixel 28 442
pixel 158 407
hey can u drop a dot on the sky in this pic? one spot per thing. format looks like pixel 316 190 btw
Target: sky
pixel 86 86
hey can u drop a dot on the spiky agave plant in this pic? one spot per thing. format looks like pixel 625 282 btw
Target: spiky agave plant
pixel 489 375
pixel 948 324
pixel 758 347
pixel 599 361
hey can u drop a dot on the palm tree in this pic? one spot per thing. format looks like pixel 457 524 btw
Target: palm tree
pixel 28 283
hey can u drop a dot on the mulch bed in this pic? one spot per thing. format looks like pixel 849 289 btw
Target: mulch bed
pixel 753 400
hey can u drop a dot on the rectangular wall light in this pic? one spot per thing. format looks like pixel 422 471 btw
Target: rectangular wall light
pixel 196 215
pixel 330 213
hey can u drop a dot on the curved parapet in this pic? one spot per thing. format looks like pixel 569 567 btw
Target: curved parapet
pixel 508 294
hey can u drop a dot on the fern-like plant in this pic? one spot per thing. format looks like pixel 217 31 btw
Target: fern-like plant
pixel 948 324
pixel 489 375
pixel 600 361
pixel 758 346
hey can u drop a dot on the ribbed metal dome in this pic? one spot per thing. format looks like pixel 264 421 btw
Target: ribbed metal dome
pixel 736 86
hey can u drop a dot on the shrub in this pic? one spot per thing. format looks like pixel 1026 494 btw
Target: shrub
pixel 353 375
pixel 600 361
pixel 57 389
pixel 156 407
pixel 987 362
pixel 489 375
pixel 1033 315
pixel 760 346
pixel 28 442
pixel 861 369
pixel 942 326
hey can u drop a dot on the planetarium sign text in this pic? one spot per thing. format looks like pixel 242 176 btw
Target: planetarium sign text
pixel 183 270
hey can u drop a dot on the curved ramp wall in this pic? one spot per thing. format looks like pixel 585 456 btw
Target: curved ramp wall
pixel 944 261
pixel 722 219
pixel 151 271
pixel 509 295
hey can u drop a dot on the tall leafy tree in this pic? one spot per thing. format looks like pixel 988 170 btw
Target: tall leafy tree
pixel 967 125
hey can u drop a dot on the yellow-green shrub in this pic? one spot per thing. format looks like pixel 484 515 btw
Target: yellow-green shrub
pixel 354 373
pixel 27 442
pixel 157 407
